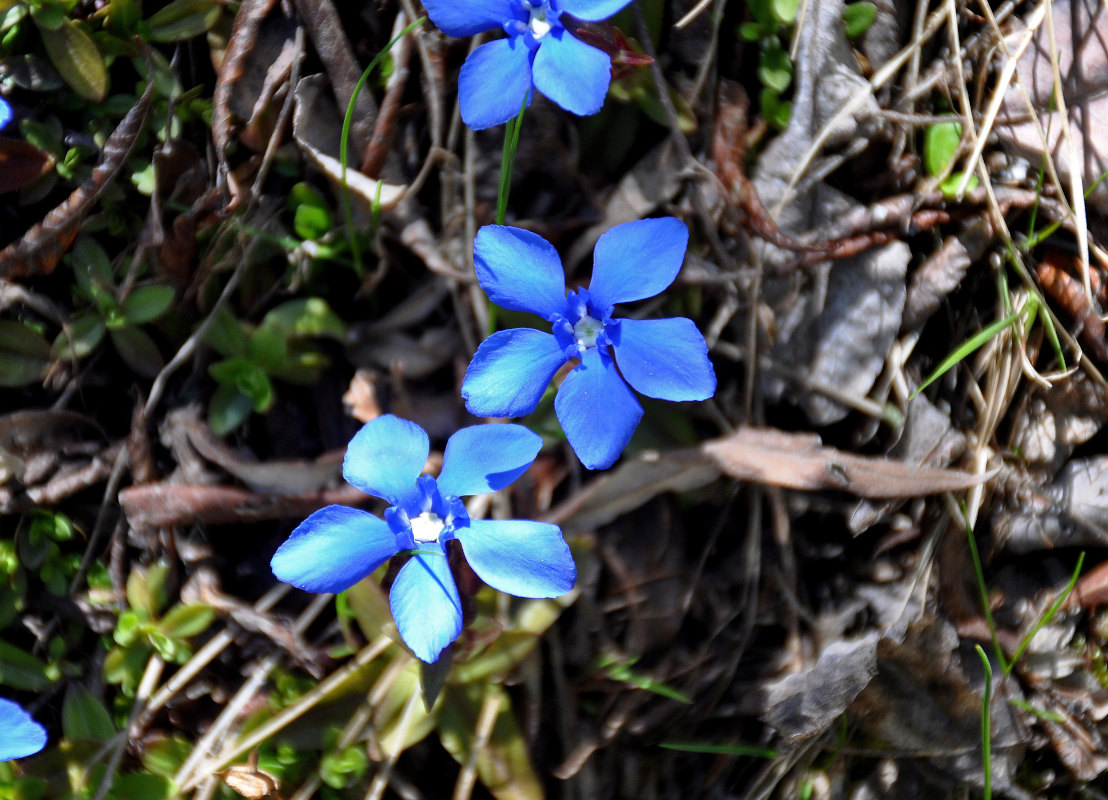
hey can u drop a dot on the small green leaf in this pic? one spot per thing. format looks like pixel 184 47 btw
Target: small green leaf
pixel 76 57
pixel 309 316
pixel 138 350
pixel 312 218
pixel 183 19
pixel 775 111
pixel 85 333
pixel 184 621
pixel 91 265
pixel 48 14
pixel 268 346
pixel 24 354
pixel 228 409
pixel 84 716
pixel 226 336
pixel 949 187
pixel 21 670
pixel 858 17
pixel 124 16
pixel 146 304
pixel 752 31
pixel 138 786
pixel 940 146
pixel 342 768
pixel 172 650
pixel 775 70
pixel 784 11
pixel 129 626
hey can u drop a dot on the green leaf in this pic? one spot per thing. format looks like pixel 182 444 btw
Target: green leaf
pixel 184 621
pixel 165 756
pixel 775 70
pixel 21 670
pixel 24 354
pixel 138 350
pixel 183 19
pixel 124 666
pixel 146 304
pixel 312 218
pixel 85 333
pixel 48 14
pixel 84 716
pixel 76 57
pixel 91 264
pixel 784 11
pixel 226 336
pixel 268 346
pixel 138 786
pixel 342 768
pixel 775 111
pixel 858 17
pixel 130 625
pixel 124 16
pixel 308 316
pixel 228 409
pixel 940 146
pixel 172 650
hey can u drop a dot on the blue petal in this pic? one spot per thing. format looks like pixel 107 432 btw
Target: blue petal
pixel 597 410
pixel 467 17
pixel 573 74
pixel 637 260
pixel 521 558
pixel 425 604
pixel 519 270
pixel 494 81
pixel 664 358
pixel 486 458
pixel 386 457
pixel 591 10
pixel 333 549
pixel 510 371
pixel 5 113
pixel 19 734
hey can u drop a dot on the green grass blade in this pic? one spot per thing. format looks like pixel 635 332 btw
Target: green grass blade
pixel 1049 615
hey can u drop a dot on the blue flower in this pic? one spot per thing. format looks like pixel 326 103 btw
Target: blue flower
pixel 338 546
pixel 5 113
pixel 539 53
pixel 661 358
pixel 19 734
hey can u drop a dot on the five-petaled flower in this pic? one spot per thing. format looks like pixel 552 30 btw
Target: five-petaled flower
pixel 662 358
pixel 338 546
pixel 539 53
pixel 19 734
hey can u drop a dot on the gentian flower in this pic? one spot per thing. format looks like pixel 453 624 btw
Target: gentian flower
pixel 539 53
pixel 662 358
pixel 19 734
pixel 5 113
pixel 338 546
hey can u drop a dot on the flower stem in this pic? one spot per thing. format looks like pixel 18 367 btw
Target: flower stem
pixel 344 143
pixel 511 141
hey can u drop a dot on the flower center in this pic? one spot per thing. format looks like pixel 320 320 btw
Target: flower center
pixel 427 527
pixel 586 330
pixel 537 23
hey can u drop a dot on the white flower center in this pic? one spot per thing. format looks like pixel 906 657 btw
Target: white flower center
pixel 538 25
pixel 427 527
pixel 586 330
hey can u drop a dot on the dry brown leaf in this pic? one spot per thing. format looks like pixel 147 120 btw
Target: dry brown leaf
pixel 799 461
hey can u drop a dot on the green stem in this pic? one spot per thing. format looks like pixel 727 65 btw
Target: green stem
pixel 511 141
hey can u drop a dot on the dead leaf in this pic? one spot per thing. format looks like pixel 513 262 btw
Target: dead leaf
pixel 21 164
pixel 799 461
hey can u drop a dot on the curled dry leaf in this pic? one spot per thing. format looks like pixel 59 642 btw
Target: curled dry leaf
pixel 21 163
pixel 799 461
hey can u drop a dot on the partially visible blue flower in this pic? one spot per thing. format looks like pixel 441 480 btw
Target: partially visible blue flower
pixel 338 546
pixel 662 358
pixel 539 53
pixel 5 113
pixel 19 734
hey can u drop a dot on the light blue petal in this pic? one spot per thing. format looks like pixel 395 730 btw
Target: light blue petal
pixel 467 17
pixel 519 557
pixel 519 270
pixel 664 358
pixel 597 410
pixel 425 604
pixel 486 458
pixel 494 81
pixel 510 371
pixel 591 10
pixel 386 457
pixel 637 260
pixel 19 734
pixel 573 74
pixel 333 549
pixel 5 113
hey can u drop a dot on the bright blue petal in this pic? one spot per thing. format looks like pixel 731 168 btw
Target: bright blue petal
pixel 425 604
pixel 597 410
pixel 19 734
pixel 510 371
pixel 519 270
pixel 591 10
pixel 386 457
pixel 486 458
pixel 664 358
pixel 5 114
pixel 494 81
pixel 637 260
pixel 573 74
pixel 521 558
pixel 333 549
pixel 467 17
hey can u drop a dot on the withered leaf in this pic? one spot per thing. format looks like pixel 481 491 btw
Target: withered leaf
pixel 21 163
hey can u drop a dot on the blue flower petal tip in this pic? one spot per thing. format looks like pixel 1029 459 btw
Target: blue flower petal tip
pixel 338 546
pixel 666 359
pixel 539 53
pixel 20 735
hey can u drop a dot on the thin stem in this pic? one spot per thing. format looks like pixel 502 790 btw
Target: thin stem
pixel 511 142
